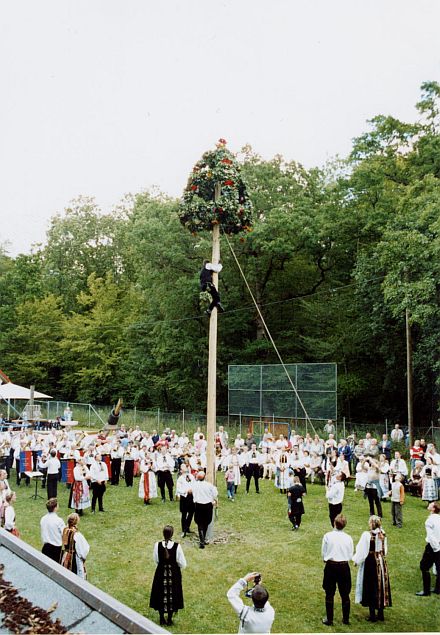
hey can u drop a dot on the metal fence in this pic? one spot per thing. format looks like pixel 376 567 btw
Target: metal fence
pixel 265 391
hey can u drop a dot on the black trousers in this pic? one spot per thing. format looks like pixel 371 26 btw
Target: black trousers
pixel 210 288
pixel 128 472
pixel 333 511
pixel 164 477
pixel 203 518
pixel 429 558
pixel 186 511
pixel 373 499
pixel 51 551
pixel 52 485
pixel 337 574
pixel 252 471
pixel 116 471
pixel 98 490
pixel 18 471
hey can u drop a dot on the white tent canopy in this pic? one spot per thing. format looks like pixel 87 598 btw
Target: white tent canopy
pixel 9 391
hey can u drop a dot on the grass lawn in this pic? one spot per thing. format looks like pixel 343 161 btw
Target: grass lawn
pixel 253 534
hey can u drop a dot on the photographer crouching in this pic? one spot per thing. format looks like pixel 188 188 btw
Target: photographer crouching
pixel 259 617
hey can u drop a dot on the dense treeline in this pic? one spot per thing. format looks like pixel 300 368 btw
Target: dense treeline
pixel 110 306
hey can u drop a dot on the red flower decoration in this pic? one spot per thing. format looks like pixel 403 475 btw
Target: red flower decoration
pixel 194 188
pixel 228 182
pixel 222 142
pixel 227 161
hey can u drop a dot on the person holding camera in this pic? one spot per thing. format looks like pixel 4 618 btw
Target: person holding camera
pixel 259 617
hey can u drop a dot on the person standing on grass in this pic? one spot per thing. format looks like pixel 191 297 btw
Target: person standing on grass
pixel 205 497
pixel 166 592
pixel 257 618
pixel 53 466
pixel 335 496
pixel 52 526
pixel 253 467
pixel 397 494
pixel 99 476
pixel 373 582
pixel 164 471
pixel 186 501
pixel 295 503
pixel 337 551
pixel 431 555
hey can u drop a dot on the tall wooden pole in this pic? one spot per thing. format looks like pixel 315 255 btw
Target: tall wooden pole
pixel 409 378
pixel 211 411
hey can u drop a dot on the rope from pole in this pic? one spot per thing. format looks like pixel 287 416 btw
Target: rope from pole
pixel 270 336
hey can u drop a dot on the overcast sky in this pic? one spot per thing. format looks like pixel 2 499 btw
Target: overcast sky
pixel 106 97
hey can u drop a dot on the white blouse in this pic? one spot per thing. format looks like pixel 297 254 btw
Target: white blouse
pixel 180 558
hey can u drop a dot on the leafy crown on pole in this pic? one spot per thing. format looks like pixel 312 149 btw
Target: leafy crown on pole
pixel 233 210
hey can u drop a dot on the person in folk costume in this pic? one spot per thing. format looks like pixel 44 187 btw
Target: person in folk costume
pixel 295 505
pixel 164 471
pixel 431 554
pixel 236 461
pixel 8 512
pixel 297 465
pixel 415 480
pixel 253 468
pixel 429 485
pixel 205 497
pixel 116 456
pixel 282 478
pixel 337 551
pixel 79 498
pixel 99 476
pixel 75 548
pixel 136 457
pixel 166 591
pixel 268 464
pixel 147 481
pixel 384 479
pixel 186 500
pixel 329 467
pixel 206 284
pixel 197 462
pixel 129 465
pixel 335 496
pixel 372 583
pixel 373 490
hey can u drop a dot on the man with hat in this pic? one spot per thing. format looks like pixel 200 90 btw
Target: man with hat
pixel 205 497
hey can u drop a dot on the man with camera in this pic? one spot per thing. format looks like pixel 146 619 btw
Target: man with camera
pixel 259 617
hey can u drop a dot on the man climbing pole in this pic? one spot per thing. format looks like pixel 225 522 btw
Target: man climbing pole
pixel 206 284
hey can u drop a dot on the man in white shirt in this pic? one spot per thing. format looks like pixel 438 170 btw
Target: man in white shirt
pixel 398 466
pixel 253 619
pixel 164 471
pixel 397 434
pixel 99 476
pixel 206 284
pixel 335 496
pixel 205 497
pixel 184 494
pixel 53 466
pixel 52 526
pixel 431 555
pixel 337 551
pixel 253 461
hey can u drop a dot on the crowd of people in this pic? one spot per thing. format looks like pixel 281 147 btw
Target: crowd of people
pixel 171 465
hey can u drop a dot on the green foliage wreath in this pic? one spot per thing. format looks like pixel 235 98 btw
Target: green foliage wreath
pixel 233 211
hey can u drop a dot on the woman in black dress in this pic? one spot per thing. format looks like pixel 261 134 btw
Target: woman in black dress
pixel 166 592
